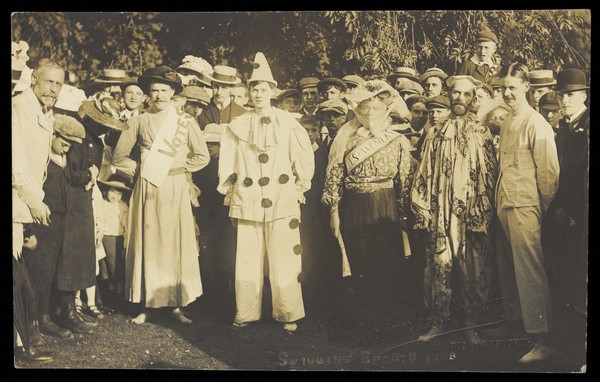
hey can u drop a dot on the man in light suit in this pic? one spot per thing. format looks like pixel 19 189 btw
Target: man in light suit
pixel 32 132
pixel 527 184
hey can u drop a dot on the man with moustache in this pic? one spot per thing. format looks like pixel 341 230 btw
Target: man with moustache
pixel 222 109
pixel 266 164
pixel 527 184
pixel 32 132
pixel 162 267
pixel 452 202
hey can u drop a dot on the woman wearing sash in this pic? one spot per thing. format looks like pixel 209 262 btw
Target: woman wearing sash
pixel 162 267
pixel 367 188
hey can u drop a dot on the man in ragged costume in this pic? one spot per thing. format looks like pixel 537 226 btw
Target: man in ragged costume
pixel 452 201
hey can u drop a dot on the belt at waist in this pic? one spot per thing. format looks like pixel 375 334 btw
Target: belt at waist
pixel 369 186
pixel 177 171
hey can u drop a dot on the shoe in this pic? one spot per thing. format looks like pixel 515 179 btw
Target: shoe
pixel 90 321
pixel 71 320
pixel 36 339
pixel 33 355
pixel 290 327
pixel 93 311
pixel 537 354
pixel 47 326
pixel 240 324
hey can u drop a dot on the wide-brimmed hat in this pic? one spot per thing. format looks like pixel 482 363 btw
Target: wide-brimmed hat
pixel 195 64
pixel 486 35
pixel 308 82
pixel 404 72
pixel 332 105
pixel 353 79
pixel 117 181
pixel 70 98
pixel 289 93
pixel 549 101
pixel 438 101
pixel 68 128
pixel 540 78
pixel 196 94
pixel 213 132
pixel 332 81
pixel 223 74
pixel 452 79
pixel 105 111
pixel 570 80
pixel 433 72
pixel 161 74
pixel 368 89
pixel 261 71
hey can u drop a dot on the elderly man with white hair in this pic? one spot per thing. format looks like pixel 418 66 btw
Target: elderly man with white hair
pixel 452 201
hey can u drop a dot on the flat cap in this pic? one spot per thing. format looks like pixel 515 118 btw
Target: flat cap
pixel 353 79
pixel 438 101
pixel 549 101
pixel 332 105
pixel 196 94
pixel 289 93
pixel 451 80
pixel 332 81
pixel 308 82
pixel 487 35
pixel 433 72
pixel 68 128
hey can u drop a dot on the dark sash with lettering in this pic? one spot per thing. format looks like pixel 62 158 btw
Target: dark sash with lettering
pixel 170 137
pixel 368 148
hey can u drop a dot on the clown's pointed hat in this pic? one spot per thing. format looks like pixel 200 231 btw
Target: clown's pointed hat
pixel 261 70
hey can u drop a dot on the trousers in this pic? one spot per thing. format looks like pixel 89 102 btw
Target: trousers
pixel 279 243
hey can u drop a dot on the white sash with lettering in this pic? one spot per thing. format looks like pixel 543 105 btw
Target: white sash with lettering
pixel 368 148
pixel 170 137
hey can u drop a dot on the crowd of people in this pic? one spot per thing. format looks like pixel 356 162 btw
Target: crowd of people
pixel 404 197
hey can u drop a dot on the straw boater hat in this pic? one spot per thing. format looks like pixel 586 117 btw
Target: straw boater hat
pixel 261 70
pixel 223 74
pixel 70 98
pixel 68 128
pixel 213 132
pixel 111 76
pixel 105 111
pixel 541 78
pixel 117 181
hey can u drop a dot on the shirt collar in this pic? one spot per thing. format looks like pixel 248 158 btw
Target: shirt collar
pixel 476 61
pixel 576 116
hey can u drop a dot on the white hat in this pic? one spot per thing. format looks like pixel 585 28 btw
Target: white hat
pixel 213 132
pixel 223 74
pixel 196 64
pixel 261 70
pixel 70 98
pixel 451 80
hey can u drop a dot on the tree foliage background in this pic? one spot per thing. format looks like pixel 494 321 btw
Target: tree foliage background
pixel 306 43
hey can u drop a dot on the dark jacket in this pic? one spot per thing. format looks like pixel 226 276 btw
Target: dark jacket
pixel 212 114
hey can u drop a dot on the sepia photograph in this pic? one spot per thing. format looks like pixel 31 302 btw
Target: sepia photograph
pixel 333 190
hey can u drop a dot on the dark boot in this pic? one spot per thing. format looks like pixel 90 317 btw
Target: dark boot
pixel 47 326
pixel 86 319
pixel 70 320
pixel 36 338
pixel 33 355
